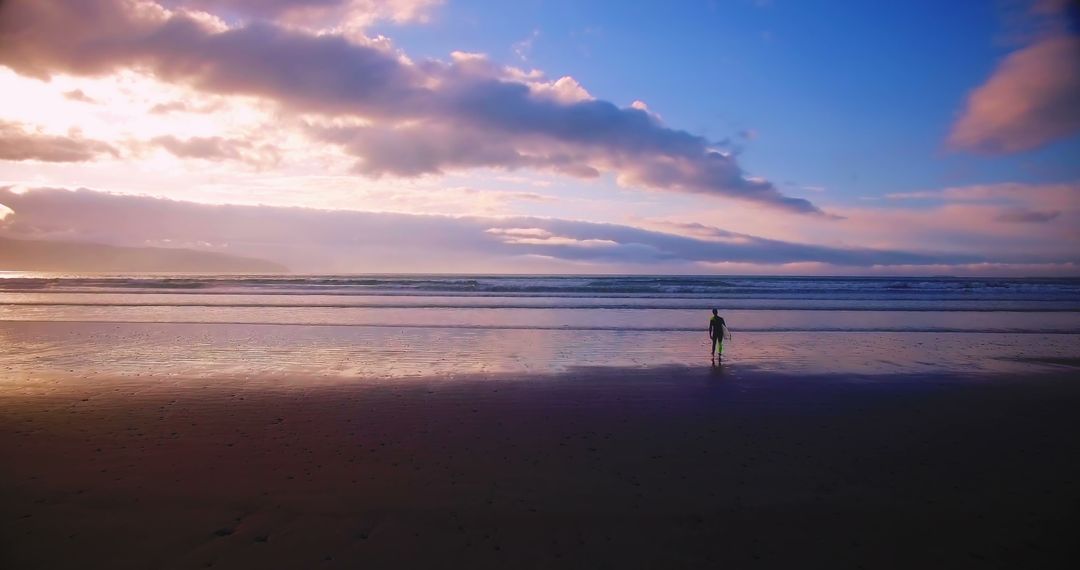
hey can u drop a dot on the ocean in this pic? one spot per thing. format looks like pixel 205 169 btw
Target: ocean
pixel 409 325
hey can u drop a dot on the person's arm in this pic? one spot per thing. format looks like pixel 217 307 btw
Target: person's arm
pixel 712 329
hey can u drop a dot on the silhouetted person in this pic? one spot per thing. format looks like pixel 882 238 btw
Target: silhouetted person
pixel 717 330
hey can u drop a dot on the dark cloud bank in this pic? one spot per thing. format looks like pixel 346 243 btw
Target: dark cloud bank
pixel 35 255
pixel 436 115
pixel 320 240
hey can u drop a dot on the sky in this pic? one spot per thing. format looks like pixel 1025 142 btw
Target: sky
pixel 546 136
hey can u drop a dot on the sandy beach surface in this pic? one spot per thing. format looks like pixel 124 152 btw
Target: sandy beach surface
pixel 537 422
pixel 664 467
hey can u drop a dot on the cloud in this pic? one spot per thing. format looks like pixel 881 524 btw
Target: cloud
pixel 396 99
pixel 1025 216
pixel 67 257
pixel 18 143
pixel 414 150
pixel 78 95
pixel 964 220
pixel 218 149
pixel 168 107
pixel 1030 100
pixel 1064 195
pixel 1007 219
pixel 325 240
pixel 568 91
pixel 523 49
pixel 318 15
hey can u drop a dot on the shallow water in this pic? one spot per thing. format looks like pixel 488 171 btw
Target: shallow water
pixel 397 326
pixel 321 353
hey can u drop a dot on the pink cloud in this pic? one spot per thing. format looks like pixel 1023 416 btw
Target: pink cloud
pixel 1037 222
pixel 1032 99
pixel 319 14
pixel 218 149
pixel 179 106
pixel 1059 196
pixel 1008 218
pixel 19 143
pixel 400 101
pixel 79 95
pixel 321 240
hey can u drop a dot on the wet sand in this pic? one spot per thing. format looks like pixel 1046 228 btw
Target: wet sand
pixel 673 467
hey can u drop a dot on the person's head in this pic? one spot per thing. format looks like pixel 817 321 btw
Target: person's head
pixel 714 312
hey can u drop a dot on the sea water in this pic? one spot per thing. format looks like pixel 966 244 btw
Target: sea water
pixel 406 325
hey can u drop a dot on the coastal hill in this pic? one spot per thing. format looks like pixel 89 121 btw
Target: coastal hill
pixel 35 255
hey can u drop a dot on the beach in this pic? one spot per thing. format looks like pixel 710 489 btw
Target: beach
pixel 671 467
pixel 143 442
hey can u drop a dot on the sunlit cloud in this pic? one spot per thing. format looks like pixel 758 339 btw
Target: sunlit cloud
pixel 18 142
pixel 218 149
pixel 1030 100
pixel 554 126
pixel 341 16
pixel 79 95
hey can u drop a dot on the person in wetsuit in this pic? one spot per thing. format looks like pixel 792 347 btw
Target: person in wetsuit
pixel 716 334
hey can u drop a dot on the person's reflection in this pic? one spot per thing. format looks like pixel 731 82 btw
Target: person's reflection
pixel 716 370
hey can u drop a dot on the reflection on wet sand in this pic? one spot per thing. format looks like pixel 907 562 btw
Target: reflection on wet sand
pixel 331 354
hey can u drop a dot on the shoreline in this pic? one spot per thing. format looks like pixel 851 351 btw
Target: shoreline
pixel 339 354
pixel 673 466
